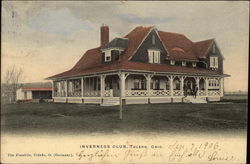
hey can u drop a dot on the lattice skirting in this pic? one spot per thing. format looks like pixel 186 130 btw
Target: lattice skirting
pixel 143 100
pixel 92 100
pixel 60 100
pixel 160 100
pixel 213 98
pixel 74 100
pixel 175 100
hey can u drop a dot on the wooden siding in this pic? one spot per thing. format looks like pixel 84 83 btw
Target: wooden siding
pixel 217 54
pixel 142 53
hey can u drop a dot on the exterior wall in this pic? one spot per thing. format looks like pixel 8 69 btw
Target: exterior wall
pixel 21 95
pixel 41 94
pixel 217 54
pixel 142 53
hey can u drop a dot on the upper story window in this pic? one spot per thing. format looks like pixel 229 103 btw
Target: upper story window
pixel 214 62
pixel 153 39
pixel 107 56
pixel 154 56
pixel 183 63
pixel 172 62
pixel 111 54
pixel 194 64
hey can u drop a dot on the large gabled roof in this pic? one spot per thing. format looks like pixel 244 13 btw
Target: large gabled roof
pixel 178 46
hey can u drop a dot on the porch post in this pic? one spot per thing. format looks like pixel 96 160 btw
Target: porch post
pixel 221 86
pixel 53 92
pixel 102 81
pixel 122 83
pixel 96 87
pixel 182 84
pixel 206 87
pixel 197 84
pixel 148 78
pixel 82 86
pixel 171 86
pixel 66 88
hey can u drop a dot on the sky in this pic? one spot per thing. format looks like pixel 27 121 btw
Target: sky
pixel 46 38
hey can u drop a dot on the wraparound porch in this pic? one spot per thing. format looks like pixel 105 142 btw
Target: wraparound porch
pixel 131 86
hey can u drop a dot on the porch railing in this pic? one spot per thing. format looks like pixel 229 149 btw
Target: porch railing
pixel 91 93
pixel 59 94
pixel 201 93
pixel 177 93
pixel 160 93
pixel 108 93
pixel 74 94
pixel 136 92
pixel 214 93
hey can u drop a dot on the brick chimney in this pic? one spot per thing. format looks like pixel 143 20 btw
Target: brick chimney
pixel 104 35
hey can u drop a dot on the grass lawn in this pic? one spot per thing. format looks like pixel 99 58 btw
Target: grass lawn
pixel 163 118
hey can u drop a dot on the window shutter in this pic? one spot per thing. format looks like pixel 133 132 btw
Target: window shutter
pixel 158 56
pixel 211 62
pixel 103 57
pixel 150 57
pixel 216 62
pixel 112 55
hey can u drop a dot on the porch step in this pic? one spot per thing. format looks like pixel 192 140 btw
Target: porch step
pixel 191 99
pixel 110 102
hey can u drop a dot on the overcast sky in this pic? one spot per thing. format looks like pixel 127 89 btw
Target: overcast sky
pixel 46 38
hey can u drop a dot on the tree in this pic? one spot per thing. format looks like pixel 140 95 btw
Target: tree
pixel 10 83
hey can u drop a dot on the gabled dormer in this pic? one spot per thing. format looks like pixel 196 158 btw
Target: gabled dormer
pixel 214 58
pixel 151 50
pixel 113 50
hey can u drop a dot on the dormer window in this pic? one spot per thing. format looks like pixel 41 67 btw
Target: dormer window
pixel 172 62
pixel 214 62
pixel 154 56
pixel 183 63
pixel 194 64
pixel 107 56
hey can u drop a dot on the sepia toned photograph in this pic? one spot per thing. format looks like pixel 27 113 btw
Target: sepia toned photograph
pixel 124 81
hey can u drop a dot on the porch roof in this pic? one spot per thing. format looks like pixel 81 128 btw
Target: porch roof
pixel 137 66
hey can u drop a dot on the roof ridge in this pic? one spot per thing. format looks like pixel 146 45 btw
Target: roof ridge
pixel 212 39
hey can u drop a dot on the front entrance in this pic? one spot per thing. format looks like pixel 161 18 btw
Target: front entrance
pixel 189 86
pixel 112 83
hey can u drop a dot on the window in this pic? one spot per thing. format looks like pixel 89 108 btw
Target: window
pixel 183 63
pixel 136 84
pixel 107 56
pixel 213 62
pixel 139 83
pixel 168 85
pixel 176 84
pixel 213 84
pixel 157 84
pixel 172 62
pixel 153 56
pixel 153 39
pixel 194 64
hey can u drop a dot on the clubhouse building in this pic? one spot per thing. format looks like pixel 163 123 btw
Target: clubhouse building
pixel 145 66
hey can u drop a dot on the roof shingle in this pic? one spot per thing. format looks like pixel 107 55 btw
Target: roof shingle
pixel 178 46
